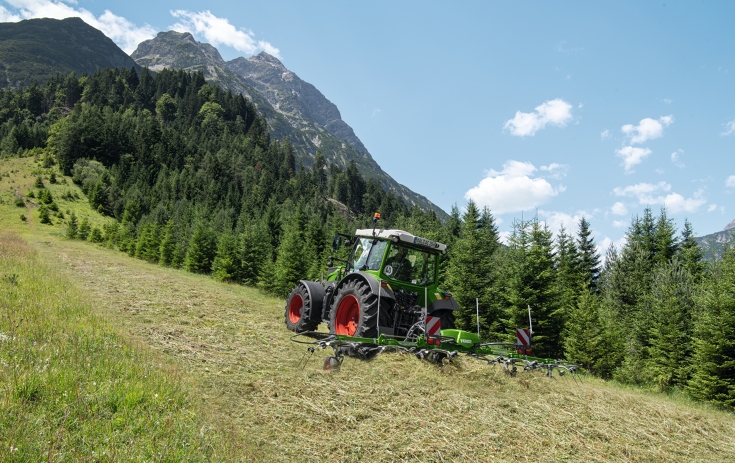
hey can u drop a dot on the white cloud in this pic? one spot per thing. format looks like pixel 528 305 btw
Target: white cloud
pixel 632 155
pixel 555 170
pixel 647 129
pixel 675 158
pixel 555 112
pixel 619 209
pixel 649 194
pixel 730 181
pixel 712 207
pixel 667 100
pixel 555 220
pixel 619 223
pixel 8 17
pixel 219 31
pixel 512 189
pixel 729 128
pixel 604 134
pixel 123 32
pixel 641 189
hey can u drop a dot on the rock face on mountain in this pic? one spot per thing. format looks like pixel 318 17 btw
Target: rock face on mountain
pixel 295 110
pixel 38 49
pixel 290 95
pixel 714 245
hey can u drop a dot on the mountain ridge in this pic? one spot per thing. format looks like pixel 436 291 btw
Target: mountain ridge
pixel 38 49
pixel 714 244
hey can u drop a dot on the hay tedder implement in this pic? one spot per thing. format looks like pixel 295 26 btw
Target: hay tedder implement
pixel 385 298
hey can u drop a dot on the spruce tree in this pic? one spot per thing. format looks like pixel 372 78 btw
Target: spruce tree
pixel 202 249
pixel 290 261
pixel 583 332
pixel 713 375
pixel 665 239
pixel 84 229
pixel 469 268
pixel 168 244
pixel 669 325
pixel 589 259
pixel 690 254
pixel 227 265
pixel 72 226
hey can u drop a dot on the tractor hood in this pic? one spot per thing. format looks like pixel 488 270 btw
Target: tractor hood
pixel 402 236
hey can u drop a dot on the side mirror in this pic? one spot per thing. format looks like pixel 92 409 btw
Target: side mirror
pixel 336 242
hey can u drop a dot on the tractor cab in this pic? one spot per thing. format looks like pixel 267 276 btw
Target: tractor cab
pixel 395 256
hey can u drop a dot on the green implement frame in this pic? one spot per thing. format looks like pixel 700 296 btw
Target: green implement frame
pixel 435 349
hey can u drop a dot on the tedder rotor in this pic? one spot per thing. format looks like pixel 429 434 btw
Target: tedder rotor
pixel 385 297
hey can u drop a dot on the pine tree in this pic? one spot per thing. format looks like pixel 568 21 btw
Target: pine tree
pixel 583 333
pixel 469 267
pixel 665 239
pixel 202 249
pixel 669 325
pixel 84 229
pixel 690 253
pixel 43 215
pixel 713 377
pixel 168 244
pixel 255 253
pixel 72 226
pixel 227 265
pixel 532 283
pixel 95 236
pixel 291 258
pixel 589 259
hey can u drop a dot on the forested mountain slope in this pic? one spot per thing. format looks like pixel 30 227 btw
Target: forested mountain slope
pixel 38 49
pixel 294 109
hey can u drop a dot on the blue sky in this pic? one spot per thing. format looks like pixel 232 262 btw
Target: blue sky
pixel 562 108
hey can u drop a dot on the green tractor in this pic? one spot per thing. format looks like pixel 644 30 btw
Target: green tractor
pixel 387 286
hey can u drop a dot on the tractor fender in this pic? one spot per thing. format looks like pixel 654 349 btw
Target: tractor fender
pixel 316 298
pixel 375 287
pixel 443 304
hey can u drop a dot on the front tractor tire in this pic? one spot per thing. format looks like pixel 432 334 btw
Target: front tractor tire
pixel 298 311
pixel 354 311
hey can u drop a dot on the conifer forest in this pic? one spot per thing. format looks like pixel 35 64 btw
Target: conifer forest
pixel 193 180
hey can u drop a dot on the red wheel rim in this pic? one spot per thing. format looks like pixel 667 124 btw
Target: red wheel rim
pixel 348 316
pixel 294 308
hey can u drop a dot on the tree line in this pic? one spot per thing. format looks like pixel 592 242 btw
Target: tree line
pixel 193 180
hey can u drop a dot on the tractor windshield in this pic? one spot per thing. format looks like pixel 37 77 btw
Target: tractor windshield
pixel 368 254
pixel 410 265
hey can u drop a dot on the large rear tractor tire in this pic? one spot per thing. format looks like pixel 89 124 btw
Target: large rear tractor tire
pixel 446 318
pixel 298 311
pixel 354 311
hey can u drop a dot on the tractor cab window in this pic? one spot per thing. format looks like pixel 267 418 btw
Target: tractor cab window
pixel 368 254
pixel 410 265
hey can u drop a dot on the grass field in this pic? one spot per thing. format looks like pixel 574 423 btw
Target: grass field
pixel 119 359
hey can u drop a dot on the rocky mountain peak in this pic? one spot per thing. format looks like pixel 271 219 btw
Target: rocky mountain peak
pixel 264 57
pixel 178 50
pixel 730 226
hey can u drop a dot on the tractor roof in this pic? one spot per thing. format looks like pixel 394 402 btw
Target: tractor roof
pixel 404 237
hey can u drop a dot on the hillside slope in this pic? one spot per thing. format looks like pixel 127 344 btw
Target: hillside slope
pixel 38 49
pixel 294 109
pixel 268 395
